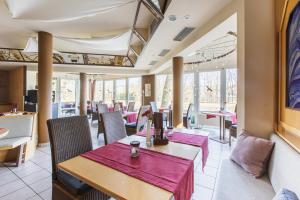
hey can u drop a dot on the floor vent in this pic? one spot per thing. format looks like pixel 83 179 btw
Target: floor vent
pixel 183 33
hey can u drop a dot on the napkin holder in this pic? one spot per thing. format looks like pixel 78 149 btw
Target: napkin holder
pixel 159 137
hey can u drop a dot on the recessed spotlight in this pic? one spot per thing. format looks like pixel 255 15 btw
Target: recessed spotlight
pixel 187 17
pixel 172 18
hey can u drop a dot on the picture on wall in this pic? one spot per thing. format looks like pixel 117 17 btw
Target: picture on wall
pixel 293 60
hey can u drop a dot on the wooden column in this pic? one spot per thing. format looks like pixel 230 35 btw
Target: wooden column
pixel 148 79
pixel 45 47
pixel 177 90
pixel 83 93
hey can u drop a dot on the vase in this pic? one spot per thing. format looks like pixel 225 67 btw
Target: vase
pixel 148 133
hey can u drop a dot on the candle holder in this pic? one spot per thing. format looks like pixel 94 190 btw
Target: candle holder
pixel 135 149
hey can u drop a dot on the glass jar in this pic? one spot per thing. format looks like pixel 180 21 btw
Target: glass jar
pixel 135 148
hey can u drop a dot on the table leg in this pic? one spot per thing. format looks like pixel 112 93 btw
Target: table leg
pixel 221 138
pixel 220 128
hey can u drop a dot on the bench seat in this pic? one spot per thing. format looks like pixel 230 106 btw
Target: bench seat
pixel 11 143
pixel 283 172
pixel 234 183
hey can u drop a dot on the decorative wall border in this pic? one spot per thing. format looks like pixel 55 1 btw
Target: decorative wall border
pixel 67 58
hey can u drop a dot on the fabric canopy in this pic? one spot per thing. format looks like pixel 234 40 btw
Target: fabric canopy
pixel 107 43
pixel 61 10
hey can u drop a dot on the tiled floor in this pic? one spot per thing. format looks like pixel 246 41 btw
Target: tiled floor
pixel 32 180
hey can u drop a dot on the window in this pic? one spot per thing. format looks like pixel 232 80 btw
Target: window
pixel 121 91
pixel 164 90
pixel 135 91
pixel 98 96
pixel 209 90
pixel 68 91
pixel 188 90
pixel 108 92
pixel 231 89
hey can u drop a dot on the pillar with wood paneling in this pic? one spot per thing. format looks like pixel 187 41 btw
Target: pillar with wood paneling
pixel 45 60
pixel 83 93
pixel 177 90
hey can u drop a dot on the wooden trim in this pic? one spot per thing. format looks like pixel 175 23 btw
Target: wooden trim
pixel 288 126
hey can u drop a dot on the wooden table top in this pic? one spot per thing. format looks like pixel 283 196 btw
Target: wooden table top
pixel 219 113
pixel 3 132
pixel 120 185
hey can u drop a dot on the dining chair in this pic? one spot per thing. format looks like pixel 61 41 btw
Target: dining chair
pixel 188 116
pixel 134 127
pixel 155 109
pixel 70 137
pixel 102 108
pixel 117 107
pixel 113 125
pixel 131 106
pixel 94 107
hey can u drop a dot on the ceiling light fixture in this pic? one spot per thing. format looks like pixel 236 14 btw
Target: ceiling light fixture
pixel 187 17
pixel 172 18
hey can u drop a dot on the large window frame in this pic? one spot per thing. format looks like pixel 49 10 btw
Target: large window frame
pixel 222 100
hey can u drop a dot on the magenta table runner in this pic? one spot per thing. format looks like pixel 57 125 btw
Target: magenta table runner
pixel 171 173
pixel 186 138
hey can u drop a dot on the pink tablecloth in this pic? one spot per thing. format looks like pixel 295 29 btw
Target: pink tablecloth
pixel 229 114
pixel 186 138
pixel 171 173
pixel 110 109
pixel 131 116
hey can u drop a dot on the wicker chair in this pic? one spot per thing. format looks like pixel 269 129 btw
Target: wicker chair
pixel 70 137
pixel 131 106
pixel 113 125
pixel 188 116
pixel 132 128
pixel 102 108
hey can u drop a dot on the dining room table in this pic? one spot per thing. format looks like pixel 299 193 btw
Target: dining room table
pixel 222 116
pixel 125 182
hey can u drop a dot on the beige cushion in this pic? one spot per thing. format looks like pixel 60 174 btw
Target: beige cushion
pixel 252 154
pixel 234 183
pixel 13 142
pixel 18 126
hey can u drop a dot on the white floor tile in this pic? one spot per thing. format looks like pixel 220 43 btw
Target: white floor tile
pixel 27 170
pixel 7 178
pixel 36 197
pixel 22 194
pixel 202 193
pixel 11 187
pixel 4 171
pixel 32 178
pixel 42 185
pixel 46 195
pixel 210 171
pixel 204 180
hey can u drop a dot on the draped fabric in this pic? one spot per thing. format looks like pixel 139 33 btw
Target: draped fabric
pixel 61 10
pixel 92 84
pixel 117 42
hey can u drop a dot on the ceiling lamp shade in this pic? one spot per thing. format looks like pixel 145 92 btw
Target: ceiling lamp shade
pixel 61 10
pixel 33 47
